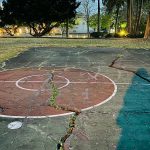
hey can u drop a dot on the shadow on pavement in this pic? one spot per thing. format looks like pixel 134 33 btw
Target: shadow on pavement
pixel 134 116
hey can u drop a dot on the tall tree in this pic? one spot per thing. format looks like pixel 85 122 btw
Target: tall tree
pixel 40 16
pixel 106 21
pixel 98 15
pixel 7 22
pixel 129 15
pixel 114 4
pixel 86 11
pixel 135 12
pixel 147 30
pixel 138 15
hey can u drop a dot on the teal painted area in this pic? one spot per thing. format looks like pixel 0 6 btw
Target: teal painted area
pixel 134 117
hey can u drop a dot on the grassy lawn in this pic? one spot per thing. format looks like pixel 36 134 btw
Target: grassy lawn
pixel 11 47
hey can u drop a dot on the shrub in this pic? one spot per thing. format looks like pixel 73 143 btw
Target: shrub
pixel 97 34
pixel 135 35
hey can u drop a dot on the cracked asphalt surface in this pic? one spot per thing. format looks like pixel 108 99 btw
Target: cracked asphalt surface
pixel 123 123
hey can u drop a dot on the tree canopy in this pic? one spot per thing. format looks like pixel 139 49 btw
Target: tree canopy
pixel 136 10
pixel 40 16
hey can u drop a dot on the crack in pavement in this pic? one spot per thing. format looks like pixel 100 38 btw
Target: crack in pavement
pixel 112 65
pixel 62 145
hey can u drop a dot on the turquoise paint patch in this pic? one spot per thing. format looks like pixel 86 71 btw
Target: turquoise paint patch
pixel 134 116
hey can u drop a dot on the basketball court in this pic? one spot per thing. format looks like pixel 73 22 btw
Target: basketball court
pixel 84 81
pixel 25 92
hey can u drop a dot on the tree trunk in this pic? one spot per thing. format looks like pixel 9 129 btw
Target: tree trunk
pixel 139 17
pixel 87 22
pixel 11 30
pixel 67 28
pixel 41 32
pixel 136 16
pixel 147 30
pixel 98 23
pixel 129 14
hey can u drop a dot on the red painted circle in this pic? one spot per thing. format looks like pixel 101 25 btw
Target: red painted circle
pixel 25 92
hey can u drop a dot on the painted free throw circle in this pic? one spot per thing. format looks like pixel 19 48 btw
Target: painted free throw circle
pixel 25 92
pixel 43 79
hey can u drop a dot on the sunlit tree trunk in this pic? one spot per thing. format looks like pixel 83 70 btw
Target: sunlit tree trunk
pixel 147 30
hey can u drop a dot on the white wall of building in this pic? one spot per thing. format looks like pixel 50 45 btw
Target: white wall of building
pixel 80 28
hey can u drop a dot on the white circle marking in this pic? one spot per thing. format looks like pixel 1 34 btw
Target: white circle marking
pixel 35 90
pixel 69 113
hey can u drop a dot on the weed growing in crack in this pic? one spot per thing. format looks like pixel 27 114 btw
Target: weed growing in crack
pixel 53 103
pixel 72 125
pixel 54 94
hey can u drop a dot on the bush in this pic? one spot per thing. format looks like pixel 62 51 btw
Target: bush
pixel 110 35
pixel 135 35
pixel 97 34
pixel 116 35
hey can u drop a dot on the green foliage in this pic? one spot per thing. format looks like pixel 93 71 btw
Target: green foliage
pixel 105 21
pixel 54 94
pixel 72 23
pixel 146 7
pixel 112 4
pixel 93 21
pixel 123 25
pixel 136 15
pixel 1 23
pixel 40 16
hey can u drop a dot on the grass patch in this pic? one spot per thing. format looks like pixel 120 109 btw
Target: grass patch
pixel 11 47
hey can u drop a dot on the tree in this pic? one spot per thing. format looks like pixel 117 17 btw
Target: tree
pixel 7 22
pixel 93 21
pixel 67 25
pixel 135 10
pixel 40 16
pixel 147 30
pixel 106 21
pixel 86 11
pixel 1 23
pixel 98 15
pixel 111 5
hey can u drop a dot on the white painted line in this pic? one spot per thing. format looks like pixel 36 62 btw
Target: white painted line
pixel 132 84
pixel 109 98
pixel 69 113
pixel 7 81
pixel 35 90
pixel 121 83
pixel 29 81
pixel 72 82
